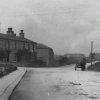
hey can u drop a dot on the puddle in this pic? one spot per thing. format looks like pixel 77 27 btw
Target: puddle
pixel 83 94
pixel 93 97
pixel 73 83
pixel 58 87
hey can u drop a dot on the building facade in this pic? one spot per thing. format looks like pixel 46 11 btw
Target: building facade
pixel 21 50
pixel 11 45
pixel 45 54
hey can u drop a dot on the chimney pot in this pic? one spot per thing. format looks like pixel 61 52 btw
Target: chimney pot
pixel 10 32
pixel 21 31
pixel 9 29
pixel 21 34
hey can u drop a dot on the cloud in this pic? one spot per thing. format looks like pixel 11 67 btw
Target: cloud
pixel 67 26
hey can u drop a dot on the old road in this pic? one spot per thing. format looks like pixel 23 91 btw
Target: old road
pixel 58 84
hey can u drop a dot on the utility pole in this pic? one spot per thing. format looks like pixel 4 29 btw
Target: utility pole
pixel 91 52
pixel 0 27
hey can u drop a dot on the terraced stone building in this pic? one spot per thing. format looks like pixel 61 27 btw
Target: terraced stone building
pixel 16 48
pixel 45 54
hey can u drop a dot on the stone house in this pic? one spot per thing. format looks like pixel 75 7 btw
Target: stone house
pixel 45 54
pixel 11 44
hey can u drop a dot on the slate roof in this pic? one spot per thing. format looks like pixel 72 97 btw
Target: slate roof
pixel 17 38
pixel 42 46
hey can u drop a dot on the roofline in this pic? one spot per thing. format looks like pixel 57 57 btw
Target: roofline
pixel 44 48
pixel 27 40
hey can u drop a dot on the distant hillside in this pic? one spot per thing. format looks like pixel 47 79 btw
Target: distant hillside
pixel 66 59
pixel 77 56
pixel 58 56
pixel 74 55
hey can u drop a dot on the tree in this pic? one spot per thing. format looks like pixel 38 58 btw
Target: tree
pixel 63 60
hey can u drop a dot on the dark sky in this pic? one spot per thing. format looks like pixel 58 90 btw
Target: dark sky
pixel 68 26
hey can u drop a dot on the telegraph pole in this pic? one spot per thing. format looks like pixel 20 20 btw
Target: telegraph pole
pixel 0 27
pixel 91 52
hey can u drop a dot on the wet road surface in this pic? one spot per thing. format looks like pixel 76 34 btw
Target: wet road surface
pixel 58 84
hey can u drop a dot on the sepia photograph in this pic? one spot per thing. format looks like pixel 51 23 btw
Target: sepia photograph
pixel 49 49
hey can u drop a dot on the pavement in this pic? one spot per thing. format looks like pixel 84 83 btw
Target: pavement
pixel 9 82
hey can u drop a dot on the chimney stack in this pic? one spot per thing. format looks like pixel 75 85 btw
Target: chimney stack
pixel 10 32
pixel 21 34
